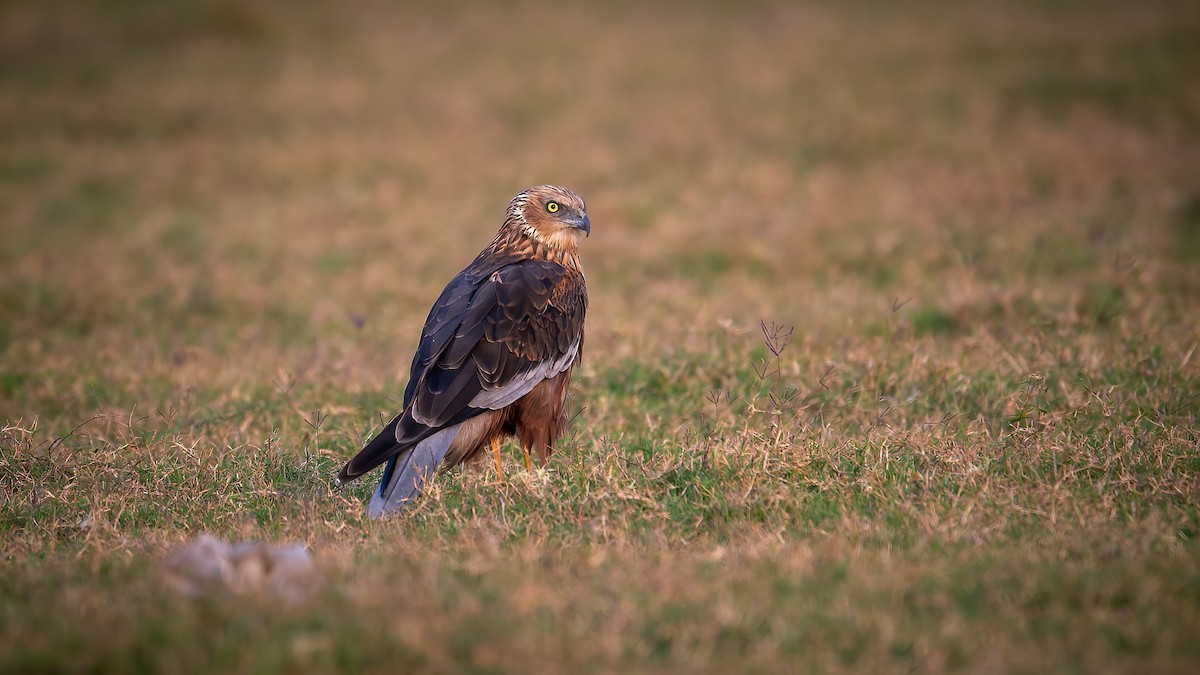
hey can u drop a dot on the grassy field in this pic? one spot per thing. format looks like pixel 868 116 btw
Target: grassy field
pixel 892 359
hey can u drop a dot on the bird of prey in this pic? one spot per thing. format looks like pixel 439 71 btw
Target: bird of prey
pixel 496 353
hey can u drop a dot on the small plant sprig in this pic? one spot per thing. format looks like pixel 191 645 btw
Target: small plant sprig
pixel 314 420
pixel 776 338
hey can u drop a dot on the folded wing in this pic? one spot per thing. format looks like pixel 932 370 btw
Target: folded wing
pixel 495 333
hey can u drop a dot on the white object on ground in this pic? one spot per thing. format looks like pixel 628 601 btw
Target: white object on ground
pixel 208 565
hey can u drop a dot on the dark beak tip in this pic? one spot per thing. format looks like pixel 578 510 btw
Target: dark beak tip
pixel 586 225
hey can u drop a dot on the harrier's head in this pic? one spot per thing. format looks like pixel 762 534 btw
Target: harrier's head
pixel 552 215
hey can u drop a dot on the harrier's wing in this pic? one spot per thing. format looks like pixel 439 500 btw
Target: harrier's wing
pixel 490 339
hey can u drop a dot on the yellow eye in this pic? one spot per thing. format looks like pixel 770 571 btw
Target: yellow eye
pixel 552 207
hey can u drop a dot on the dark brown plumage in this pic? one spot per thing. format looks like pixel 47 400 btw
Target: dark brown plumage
pixel 496 353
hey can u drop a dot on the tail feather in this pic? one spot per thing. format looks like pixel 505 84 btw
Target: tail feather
pixel 374 453
pixel 407 473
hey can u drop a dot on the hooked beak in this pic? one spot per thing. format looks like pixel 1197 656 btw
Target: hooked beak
pixel 582 222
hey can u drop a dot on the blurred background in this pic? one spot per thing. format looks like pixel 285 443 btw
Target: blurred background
pixel 285 171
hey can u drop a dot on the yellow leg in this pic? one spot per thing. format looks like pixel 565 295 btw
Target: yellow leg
pixel 525 452
pixel 496 456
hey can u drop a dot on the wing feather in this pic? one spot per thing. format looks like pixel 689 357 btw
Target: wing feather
pixel 516 334
pixel 497 330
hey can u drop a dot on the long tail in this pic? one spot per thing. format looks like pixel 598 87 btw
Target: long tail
pixel 407 473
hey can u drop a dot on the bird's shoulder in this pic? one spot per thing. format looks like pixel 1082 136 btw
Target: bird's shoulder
pixel 516 280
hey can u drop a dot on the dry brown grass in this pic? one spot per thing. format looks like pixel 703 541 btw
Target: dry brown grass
pixel 224 222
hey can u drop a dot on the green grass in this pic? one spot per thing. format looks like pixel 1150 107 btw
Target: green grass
pixel 975 450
